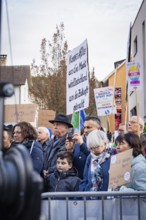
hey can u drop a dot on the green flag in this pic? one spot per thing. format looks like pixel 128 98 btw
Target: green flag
pixel 75 121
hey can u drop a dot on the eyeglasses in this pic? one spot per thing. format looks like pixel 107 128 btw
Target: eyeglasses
pixel 132 122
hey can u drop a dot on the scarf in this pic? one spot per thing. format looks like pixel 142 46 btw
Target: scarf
pixel 96 170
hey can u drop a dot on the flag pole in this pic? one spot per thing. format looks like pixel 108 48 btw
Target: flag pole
pixel 137 108
pixel 79 123
pixel 127 60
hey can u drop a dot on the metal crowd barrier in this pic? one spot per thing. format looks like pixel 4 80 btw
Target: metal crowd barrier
pixel 94 206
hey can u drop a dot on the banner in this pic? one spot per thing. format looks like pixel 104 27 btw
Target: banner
pixel 77 80
pixel 133 76
pixel 118 102
pixel 104 99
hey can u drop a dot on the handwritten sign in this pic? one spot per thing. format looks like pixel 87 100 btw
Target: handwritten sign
pixel 104 101
pixel 120 168
pixel 133 75
pixel 77 80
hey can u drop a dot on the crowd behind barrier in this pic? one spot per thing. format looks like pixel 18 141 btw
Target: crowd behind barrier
pixel 94 205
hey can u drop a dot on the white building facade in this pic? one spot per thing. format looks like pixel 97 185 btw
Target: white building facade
pixel 138 54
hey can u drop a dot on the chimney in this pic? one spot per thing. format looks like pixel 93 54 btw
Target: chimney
pixel 3 59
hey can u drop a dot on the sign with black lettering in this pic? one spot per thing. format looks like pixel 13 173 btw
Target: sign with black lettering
pixel 77 80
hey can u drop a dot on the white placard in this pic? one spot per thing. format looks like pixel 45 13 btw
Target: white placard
pixel 133 76
pixel 77 80
pixel 104 99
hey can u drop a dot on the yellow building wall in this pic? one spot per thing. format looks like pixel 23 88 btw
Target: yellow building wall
pixel 119 77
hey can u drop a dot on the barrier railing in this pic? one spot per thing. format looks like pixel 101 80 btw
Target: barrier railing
pixel 94 205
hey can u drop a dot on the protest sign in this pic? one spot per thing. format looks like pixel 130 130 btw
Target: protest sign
pixel 77 80
pixel 120 168
pixel 133 75
pixel 104 99
pixel 20 112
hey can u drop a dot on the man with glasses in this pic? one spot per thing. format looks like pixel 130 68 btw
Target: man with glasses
pixel 135 125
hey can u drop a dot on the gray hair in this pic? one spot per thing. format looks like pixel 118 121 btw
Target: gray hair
pixel 45 130
pixel 96 138
pixel 141 122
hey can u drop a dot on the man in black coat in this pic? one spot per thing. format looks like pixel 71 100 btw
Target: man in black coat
pixel 61 126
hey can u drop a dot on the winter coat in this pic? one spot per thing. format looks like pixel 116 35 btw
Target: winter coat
pixel 45 146
pixel 50 158
pixel 63 182
pixel 80 153
pixel 138 175
pixel 86 184
pixel 36 153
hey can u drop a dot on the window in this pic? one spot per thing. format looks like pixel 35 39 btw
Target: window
pixel 135 46
pixel 133 111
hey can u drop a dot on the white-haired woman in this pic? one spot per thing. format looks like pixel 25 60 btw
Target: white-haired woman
pixel 96 172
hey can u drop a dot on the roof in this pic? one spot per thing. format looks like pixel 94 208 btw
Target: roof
pixel 113 72
pixel 16 75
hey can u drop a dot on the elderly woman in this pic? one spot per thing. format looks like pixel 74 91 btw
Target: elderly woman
pixel 138 165
pixel 24 133
pixel 96 176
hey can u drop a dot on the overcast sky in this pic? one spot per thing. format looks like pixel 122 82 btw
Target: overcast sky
pixel 104 23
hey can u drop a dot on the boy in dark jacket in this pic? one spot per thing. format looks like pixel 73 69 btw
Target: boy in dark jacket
pixel 65 178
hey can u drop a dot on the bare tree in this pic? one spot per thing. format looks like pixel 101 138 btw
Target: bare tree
pixel 47 87
pixel 48 81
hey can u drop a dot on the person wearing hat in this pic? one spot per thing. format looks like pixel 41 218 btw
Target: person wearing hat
pixel 61 126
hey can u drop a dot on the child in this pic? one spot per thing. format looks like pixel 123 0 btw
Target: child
pixel 65 178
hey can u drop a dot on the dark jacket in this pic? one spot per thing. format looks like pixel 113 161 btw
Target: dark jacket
pixel 86 184
pixel 36 153
pixel 63 182
pixel 54 146
pixel 80 153
pixel 45 145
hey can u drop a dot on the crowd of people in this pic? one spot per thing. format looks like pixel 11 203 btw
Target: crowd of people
pixel 80 161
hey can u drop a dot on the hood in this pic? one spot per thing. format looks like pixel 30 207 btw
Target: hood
pixel 139 159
